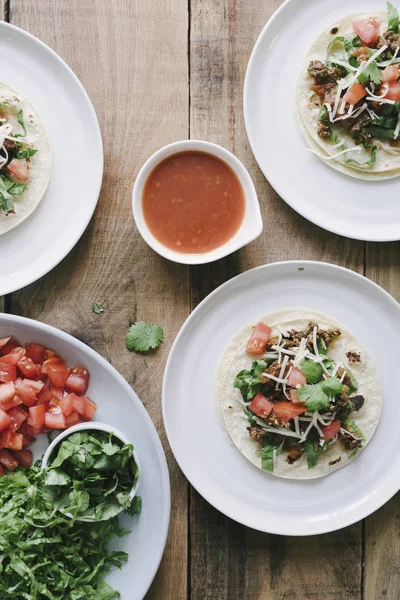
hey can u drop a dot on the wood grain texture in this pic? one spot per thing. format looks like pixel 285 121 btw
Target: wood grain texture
pixel 135 72
pixel 228 561
pixel 382 529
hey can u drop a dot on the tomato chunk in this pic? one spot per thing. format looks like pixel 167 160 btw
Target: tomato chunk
pixel 355 94
pixel 27 396
pixel 78 381
pixel 90 409
pixel 10 345
pixel 12 440
pixel 261 406
pixel 13 357
pixel 55 421
pixel 296 377
pixel 56 370
pixel 391 73
pixel 36 352
pixel 37 416
pixel 7 372
pixel 17 415
pixel 5 420
pixel 4 341
pixel 19 169
pixel 46 395
pixel 367 30
pixel 72 419
pixel 7 391
pixel 8 461
pixel 288 410
pixel 34 386
pixel 331 430
pixel 258 339
pixel 27 367
pixel 24 457
pixel 393 91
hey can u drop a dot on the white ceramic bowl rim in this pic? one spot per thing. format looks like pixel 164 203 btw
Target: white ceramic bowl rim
pixel 250 228
pixel 97 426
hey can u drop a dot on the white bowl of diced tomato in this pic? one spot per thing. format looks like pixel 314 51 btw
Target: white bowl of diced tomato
pixel 40 391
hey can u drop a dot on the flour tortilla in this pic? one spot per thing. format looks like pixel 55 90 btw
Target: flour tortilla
pixel 387 165
pixel 40 163
pixel 235 421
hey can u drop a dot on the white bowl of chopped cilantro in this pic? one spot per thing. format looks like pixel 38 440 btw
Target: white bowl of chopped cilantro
pixel 92 472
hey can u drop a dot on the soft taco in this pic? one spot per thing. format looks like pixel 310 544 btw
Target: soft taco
pixel 25 159
pixel 298 394
pixel 348 95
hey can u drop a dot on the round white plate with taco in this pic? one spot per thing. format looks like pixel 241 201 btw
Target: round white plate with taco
pixel 322 113
pixel 298 434
pixel 51 158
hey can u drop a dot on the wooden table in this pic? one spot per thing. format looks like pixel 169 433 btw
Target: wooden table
pixel 159 71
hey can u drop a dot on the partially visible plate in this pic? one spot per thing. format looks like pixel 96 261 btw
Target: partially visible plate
pixel 38 244
pixel 366 210
pixel 214 466
pixel 118 405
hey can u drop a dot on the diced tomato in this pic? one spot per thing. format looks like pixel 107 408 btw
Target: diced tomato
pixel 78 381
pixel 11 440
pixel 19 169
pixel 57 394
pixel 28 440
pixel 258 339
pixel 10 345
pixel 296 377
pixel 13 357
pixel 4 341
pixel 5 420
pixel 46 395
pixel 393 91
pixel 367 30
pixel 37 415
pixel 287 410
pixel 55 421
pixel 261 406
pixel 391 73
pixel 1 471
pixel 7 372
pixel 27 367
pixel 14 401
pixel 7 392
pixel 56 370
pixel 90 409
pixel 17 415
pixel 293 395
pixel 24 457
pixel 72 419
pixel 66 404
pixel 35 386
pixel 27 396
pixel 8 461
pixel 36 352
pixel 33 432
pixel 331 430
pixel 355 93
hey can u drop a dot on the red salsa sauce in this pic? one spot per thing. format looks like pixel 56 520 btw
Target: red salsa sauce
pixel 193 202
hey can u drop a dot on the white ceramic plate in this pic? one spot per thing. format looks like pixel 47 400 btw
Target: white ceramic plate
pixel 45 238
pixel 367 210
pixel 117 405
pixel 214 466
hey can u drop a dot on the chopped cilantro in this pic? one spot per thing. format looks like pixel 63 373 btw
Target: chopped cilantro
pixel 20 118
pixel 250 382
pixel 311 453
pixel 249 415
pixel 316 396
pixel 97 308
pixel 353 387
pixel 25 153
pixel 312 370
pixel 143 336
pixel 332 386
pixel 267 454
pixel 353 428
pixel 371 73
pixel 393 18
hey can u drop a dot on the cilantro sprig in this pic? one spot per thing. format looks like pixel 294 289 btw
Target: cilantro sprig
pixel 317 396
pixel 250 381
pixel 143 336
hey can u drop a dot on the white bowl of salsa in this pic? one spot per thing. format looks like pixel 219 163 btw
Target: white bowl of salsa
pixel 194 202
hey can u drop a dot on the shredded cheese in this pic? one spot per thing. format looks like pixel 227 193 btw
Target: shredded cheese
pixel 357 148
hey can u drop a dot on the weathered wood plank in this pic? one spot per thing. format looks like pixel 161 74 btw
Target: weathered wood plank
pixel 229 561
pixel 382 530
pixel 135 71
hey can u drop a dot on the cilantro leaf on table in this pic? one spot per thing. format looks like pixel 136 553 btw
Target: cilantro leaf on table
pixel 393 18
pixel 250 382
pixel 97 308
pixel 371 74
pixel 312 370
pixel 143 336
pixel 267 454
